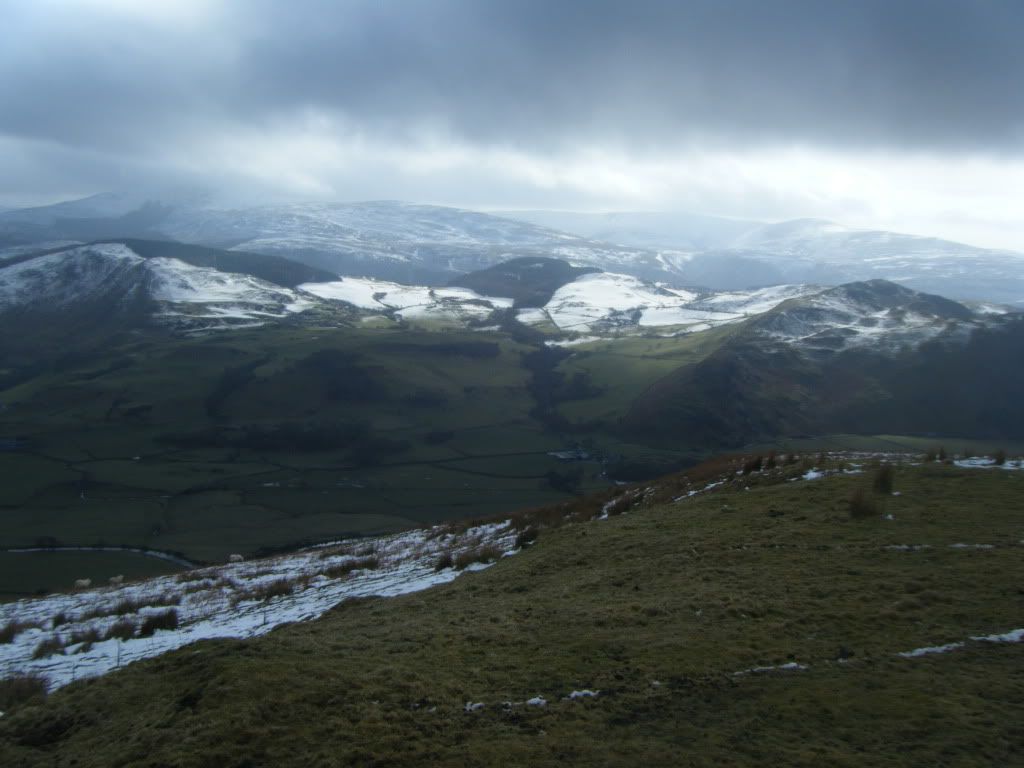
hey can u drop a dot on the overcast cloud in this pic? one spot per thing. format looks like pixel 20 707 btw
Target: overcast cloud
pixel 902 114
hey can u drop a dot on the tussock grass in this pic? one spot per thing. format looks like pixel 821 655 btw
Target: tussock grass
pixel 862 504
pixel 13 628
pixel 265 592
pixel 155 621
pixel 344 569
pixel 444 561
pixel 85 636
pixel 48 647
pixel 882 481
pixel 483 554
pixel 123 629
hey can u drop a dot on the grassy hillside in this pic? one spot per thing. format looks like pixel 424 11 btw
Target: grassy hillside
pixel 969 388
pixel 657 609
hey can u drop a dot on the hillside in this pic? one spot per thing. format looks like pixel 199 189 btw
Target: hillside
pixel 754 623
pixel 864 357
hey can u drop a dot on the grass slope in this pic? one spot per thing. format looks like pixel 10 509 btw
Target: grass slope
pixel 657 609
pixel 969 388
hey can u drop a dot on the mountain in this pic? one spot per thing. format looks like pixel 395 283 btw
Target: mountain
pixel 812 250
pixel 644 229
pixel 433 245
pixel 401 242
pixel 91 218
pixel 863 357
pixel 134 281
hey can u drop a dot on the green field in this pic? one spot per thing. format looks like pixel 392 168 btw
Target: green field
pixel 657 609
pixel 275 437
pixel 23 573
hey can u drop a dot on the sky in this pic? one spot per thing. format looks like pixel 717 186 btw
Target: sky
pixel 903 114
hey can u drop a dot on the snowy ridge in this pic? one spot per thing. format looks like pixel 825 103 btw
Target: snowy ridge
pixel 78 274
pixel 876 313
pixel 185 295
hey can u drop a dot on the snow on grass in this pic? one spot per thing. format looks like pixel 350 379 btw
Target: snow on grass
pixel 986 462
pixel 930 650
pixel 408 300
pixel 238 600
pixel 1013 636
pixel 605 299
pixel 791 666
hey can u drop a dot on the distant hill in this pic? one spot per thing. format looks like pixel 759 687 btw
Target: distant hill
pixel 858 358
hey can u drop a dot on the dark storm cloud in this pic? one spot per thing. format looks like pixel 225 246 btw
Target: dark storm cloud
pixel 917 74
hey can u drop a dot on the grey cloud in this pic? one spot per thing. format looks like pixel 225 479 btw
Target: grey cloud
pixel 919 74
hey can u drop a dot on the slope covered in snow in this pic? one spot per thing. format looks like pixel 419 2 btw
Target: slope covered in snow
pixel 607 301
pixel 876 314
pixel 112 276
pixel 408 301
pixel 102 628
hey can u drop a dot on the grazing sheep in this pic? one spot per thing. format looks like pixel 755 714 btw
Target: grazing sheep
pixel 116 581
pixel 83 583
pixel 235 558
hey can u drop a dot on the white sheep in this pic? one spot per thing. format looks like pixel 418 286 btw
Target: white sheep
pixel 235 558
pixel 83 583
pixel 116 581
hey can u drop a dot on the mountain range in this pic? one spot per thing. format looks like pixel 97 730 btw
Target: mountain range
pixel 421 244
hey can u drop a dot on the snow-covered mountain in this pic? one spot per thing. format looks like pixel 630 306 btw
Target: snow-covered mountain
pixel 115 278
pixel 876 314
pixel 431 245
pixel 198 289
pixel 397 241
pixel 645 229
pixel 812 250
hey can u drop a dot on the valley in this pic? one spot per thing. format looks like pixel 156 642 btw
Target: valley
pixel 203 402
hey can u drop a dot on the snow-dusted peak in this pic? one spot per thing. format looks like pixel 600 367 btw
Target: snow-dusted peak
pixel 75 275
pixel 113 276
pixel 875 313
